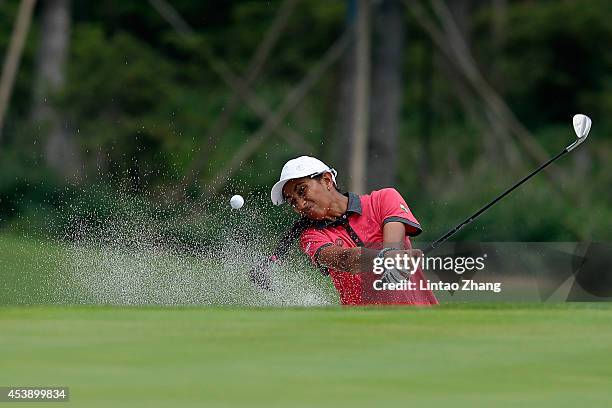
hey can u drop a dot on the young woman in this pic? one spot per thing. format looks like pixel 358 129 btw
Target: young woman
pixel 344 234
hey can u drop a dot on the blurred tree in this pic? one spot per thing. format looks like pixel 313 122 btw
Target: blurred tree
pixel 342 128
pixel 361 112
pixel 292 99
pixel 500 143
pixel 143 102
pixel 61 152
pixel 495 137
pixel 124 99
pixel 13 56
pixel 499 15
pixel 451 42
pixel 387 88
pixel 240 87
pixel 425 112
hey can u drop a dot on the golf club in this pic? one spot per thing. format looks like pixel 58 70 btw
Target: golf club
pixel 259 275
pixel 582 126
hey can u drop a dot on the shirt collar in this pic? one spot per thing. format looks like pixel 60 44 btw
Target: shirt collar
pixel 354 203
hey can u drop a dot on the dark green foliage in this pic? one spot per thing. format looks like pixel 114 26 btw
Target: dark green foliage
pixel 554 59
pixel 140 100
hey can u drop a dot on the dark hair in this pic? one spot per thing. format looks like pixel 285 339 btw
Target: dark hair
pixel 319 176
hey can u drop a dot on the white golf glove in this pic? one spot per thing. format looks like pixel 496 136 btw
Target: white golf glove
pixel 392 275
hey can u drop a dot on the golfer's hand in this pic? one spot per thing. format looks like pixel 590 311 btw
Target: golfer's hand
pixel 393 275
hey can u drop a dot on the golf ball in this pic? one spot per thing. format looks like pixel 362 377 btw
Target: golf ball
pixel 236 202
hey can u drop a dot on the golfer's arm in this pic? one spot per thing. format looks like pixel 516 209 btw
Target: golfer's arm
pixel 350 260
pixel 356 260
pixel 393 235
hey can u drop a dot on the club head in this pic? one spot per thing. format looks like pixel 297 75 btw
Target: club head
pixel 582 126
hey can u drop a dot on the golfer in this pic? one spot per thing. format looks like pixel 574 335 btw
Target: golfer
pixel 345 233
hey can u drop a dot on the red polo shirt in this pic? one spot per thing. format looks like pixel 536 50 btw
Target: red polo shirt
pixel 366 215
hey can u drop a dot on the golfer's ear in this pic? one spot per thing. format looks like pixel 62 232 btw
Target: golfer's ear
pixel 327 178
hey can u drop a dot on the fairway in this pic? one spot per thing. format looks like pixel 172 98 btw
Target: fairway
pixel 459 355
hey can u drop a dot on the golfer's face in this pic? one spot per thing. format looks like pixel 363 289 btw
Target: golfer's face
pixel 308 197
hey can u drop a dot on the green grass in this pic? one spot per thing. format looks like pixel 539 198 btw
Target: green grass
pixel 545 355
pixel 28 270
pixel 459 355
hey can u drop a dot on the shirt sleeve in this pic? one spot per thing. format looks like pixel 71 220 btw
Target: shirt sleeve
pixel 312 242
pixel 393 208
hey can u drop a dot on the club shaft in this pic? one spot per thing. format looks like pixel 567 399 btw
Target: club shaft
pixel 472 217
